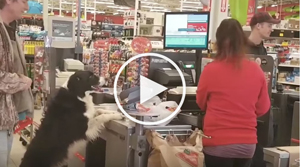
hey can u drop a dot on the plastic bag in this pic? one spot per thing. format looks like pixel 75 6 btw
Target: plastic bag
pixel 170 152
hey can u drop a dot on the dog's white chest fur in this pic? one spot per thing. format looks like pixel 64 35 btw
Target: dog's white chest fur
pixel 90 108
pixel 96 120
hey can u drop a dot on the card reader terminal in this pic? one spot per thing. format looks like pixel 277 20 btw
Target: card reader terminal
pixel 189 68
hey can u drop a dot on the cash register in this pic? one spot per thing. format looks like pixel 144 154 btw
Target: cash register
pixel 170 77
pixel 190 112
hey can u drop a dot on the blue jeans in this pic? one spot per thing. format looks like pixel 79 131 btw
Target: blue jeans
pixel 6 140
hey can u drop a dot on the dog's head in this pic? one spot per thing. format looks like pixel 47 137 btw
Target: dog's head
pixel 82 81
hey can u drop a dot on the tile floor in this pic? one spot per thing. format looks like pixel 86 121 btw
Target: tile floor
pixel 18 149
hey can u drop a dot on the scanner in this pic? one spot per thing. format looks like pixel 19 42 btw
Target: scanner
pixel 190 112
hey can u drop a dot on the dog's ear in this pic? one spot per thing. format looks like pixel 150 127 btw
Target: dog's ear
pixel 73 81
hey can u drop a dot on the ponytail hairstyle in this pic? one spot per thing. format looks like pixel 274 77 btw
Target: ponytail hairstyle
pixel 231 42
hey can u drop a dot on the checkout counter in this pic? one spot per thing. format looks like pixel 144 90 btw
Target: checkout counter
pixel 128 138
pixel 286 110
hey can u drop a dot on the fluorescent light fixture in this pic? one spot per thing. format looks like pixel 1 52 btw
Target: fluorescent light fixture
pixel 259 7
pixel 193 7
pixel 157 10
pixel 70 3
pixel 121 10
pixel 149 3
pixel 118 7
pixel 56 8
pixel 183 9
pixel 90 8
pixel 153 7
pixel 274 5
pixel 96 11
pixel 189 2
pixel 108 3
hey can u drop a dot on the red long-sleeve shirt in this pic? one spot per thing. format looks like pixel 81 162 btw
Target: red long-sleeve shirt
pixel 233 98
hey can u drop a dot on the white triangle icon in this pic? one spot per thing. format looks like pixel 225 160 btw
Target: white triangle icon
pixel 149 89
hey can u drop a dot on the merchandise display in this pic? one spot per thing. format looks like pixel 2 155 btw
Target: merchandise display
pixel 288 71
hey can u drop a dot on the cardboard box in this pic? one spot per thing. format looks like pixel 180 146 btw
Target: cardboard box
pixel 296 24
pixel 284 24
pixel 291 23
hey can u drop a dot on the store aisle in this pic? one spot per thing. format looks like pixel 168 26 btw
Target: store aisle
pixel 18 149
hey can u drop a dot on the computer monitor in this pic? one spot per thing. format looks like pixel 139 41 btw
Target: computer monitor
pixel 62 31
pixel 186 30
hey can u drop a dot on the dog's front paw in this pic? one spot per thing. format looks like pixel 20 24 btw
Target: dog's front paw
pixel 120 116
pixel 103 118
pixel 102 111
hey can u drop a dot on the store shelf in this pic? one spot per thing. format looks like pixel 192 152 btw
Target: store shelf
pixel 288 83
pixel 284 38
pixel 112 24
pixel 150 36
pixel 150 25
pixel 288 65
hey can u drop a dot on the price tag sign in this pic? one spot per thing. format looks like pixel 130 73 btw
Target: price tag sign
pixel 281 34
pixel 141 45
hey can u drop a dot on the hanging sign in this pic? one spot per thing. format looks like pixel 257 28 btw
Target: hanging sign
pixel 141 45
pixel 239 10
pixel 223 6
pixel 251 11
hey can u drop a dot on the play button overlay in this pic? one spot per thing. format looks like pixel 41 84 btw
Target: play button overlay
pixel 149 89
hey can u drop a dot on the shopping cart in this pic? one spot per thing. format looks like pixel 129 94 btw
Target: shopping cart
pixel 25 128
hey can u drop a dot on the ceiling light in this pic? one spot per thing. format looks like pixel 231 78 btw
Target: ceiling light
pixel 194 7
pixel 158 10
pixel 71 3
pixel 149 3
pixel 91 8
pixel 118 7
pixel 96 11
pixel 192 2
pixel 259 7
pixel 187 9
pixel 108 3
pixel 274 5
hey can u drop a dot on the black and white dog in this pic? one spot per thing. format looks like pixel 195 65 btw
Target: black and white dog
pixel 70 120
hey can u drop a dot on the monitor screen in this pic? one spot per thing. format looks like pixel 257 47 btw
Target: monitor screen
pixel 186 30
pixel 61 31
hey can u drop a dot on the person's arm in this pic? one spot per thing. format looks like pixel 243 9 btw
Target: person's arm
pixel 11 83
pixel 202 89
pixel 263 103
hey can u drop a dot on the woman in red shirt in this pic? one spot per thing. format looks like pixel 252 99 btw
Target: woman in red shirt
pixel 233 92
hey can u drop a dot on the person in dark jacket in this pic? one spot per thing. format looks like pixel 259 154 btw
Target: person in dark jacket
pixel 261 28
